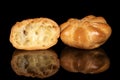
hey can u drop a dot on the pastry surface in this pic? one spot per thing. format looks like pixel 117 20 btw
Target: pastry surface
pixel 87 33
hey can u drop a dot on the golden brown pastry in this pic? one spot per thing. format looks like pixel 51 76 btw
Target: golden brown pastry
pixel 87 33
pixel 34 34
pixel 40 64
pixel 84 61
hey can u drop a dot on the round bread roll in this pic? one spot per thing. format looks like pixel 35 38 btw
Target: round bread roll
pixel 87 33
pixel 84 61
pixel 35 34
pixel 40 64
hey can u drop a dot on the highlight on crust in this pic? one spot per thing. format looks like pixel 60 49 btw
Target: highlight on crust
pixel 33 39
pixel 89 32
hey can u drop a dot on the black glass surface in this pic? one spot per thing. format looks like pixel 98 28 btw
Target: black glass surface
pixel 79 11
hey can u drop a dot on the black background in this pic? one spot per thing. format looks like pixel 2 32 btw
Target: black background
pixel 59 11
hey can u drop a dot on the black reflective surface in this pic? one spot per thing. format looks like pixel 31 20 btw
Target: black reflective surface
pixel 81 10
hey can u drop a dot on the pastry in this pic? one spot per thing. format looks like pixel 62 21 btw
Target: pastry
pixel 34 34
pixel 87 33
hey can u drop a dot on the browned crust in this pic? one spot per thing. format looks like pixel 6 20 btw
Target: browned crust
pixel 87 33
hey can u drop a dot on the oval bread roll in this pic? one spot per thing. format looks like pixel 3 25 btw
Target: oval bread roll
pixel 34 34
pixel 87 33
pixel 40 64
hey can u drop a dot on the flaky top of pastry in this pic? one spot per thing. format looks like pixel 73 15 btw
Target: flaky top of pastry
pixel 87 33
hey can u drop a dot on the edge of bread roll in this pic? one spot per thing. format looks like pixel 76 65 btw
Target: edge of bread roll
pixel 34 34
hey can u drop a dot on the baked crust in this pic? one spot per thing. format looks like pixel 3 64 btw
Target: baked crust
pixel 40 64
pixel 35 34
pixel 87 33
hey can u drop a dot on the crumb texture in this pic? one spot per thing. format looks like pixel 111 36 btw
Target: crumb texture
pixel 31 34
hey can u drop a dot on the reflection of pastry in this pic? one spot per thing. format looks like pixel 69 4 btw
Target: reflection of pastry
pixel 87 62
pixel 33 34
pixel 41 64
pixel 87 33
